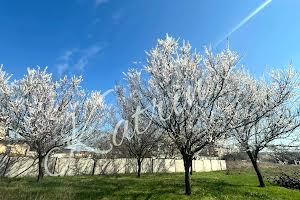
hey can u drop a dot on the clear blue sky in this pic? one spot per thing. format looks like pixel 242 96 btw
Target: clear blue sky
pixel 102 38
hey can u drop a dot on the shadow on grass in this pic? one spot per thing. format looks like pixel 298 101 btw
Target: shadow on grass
pixel 215 185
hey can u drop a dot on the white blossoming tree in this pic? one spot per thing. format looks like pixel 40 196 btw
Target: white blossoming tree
pixel 142 137
pixel 48 113
pixel 270 111
pixel 5 91
pixel 188 96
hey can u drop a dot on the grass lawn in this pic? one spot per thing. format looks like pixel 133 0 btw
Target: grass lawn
pixel 211 185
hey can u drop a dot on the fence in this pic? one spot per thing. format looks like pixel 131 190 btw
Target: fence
pixel 85 166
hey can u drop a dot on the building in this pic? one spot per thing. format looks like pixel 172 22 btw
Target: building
pixel 16 147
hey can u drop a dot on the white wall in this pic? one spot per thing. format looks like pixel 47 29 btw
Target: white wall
pixel 84 166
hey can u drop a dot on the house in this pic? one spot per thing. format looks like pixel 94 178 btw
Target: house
pixel 12 147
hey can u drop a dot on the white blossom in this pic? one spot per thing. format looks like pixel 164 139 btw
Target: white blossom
pixel 47 113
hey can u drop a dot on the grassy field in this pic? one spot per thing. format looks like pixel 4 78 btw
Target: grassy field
pixel 237 184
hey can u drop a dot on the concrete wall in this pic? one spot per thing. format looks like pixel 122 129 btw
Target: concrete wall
pixel 24 166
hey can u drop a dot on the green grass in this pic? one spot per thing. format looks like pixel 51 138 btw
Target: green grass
pixel 212 185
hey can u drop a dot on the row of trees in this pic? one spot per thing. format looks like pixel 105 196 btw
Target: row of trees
pixel 180 99
pixel 199 99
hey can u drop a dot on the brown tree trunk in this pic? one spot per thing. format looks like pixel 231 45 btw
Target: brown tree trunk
pixel 6 166
pixel 53 172
pixel 41 170
pixel 94 167
pixel 187 175
pixel 191 172
pixel 256 168
pixel 139 163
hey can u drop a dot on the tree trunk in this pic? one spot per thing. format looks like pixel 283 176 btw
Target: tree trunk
pixel 187 176
pixel 94 167
pixel 53 172
pixel 191 172
pixel 254 163
pixel 41 170
pixel 139 162
pixel 6 166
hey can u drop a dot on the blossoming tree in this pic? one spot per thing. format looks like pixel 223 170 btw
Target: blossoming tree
pixel 5 92
pixel 48 113
pixel 142 137
pixel 270 111
pixel 188 96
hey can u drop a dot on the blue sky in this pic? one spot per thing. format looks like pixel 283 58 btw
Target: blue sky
pixel 100 39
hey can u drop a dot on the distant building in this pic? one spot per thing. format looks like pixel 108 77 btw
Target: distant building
pixel 218 149
pixel 12 147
